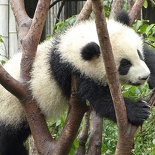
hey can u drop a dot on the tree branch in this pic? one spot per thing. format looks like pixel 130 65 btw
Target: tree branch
pixel 11 84
pixel 85 12
pixel 19 11
pixel 117 6
pixel 95 142
pixel 75 114
pixel 135 10
pixel 126 130
pixel 83 135
pixel 29 46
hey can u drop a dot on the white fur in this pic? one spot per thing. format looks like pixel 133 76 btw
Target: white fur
pixel 125 43
pixel 45 89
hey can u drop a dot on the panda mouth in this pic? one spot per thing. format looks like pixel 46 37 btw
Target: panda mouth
pixel 135 83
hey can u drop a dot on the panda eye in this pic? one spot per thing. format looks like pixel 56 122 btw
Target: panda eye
pixel 125 63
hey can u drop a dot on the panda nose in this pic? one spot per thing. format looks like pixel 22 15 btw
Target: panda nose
pixel 143 78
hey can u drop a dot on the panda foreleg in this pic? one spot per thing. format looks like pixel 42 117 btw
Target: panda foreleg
pixel 137 112
pixel 12 139
pixel 100 99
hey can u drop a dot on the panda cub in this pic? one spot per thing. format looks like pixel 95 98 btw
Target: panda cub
pixel 77 51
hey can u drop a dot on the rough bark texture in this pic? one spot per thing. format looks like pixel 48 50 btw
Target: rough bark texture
pixel 83 135
pixel 85 12
pixel 131 3
pixel 29 35
pixel 32 147
pixel 126 130
pixel 95 138
pixel 117 6
pixel 135 11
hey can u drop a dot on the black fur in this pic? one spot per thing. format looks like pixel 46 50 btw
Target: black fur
pixel 123 17
pixel 150 62
pixel 89 51
pixel 98 94
pixel 124 67
pixel 11 140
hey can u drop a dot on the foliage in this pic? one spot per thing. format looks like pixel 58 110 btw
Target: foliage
pixel 145 137
pixel 136 93
pixel 146 30
pixel 61 26
pixel 109 140
pixel 107 6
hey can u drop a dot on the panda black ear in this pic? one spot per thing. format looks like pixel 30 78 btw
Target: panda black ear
pixel 123 17
pixel 90 50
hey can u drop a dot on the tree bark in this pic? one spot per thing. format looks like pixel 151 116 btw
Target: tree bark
pixel 135 11
pixel 126 130
pixel 117 6
pixel 83 135
pixel 95 138
pixel 29 32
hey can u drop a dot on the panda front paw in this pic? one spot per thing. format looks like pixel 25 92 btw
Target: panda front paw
pixel 137 112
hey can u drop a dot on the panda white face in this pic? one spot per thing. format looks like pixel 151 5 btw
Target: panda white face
pixel 133 72
pixel 128 53
pixel 83 52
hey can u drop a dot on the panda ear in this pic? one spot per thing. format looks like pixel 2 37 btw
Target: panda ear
pixel 90 50
pixel 123 18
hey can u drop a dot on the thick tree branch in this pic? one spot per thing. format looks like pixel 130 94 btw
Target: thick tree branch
pixel 31 40
pixel 95 142
pixel 11 84
pixel 126 130
pixel 117 6
pixel 113 79
pixel 135 10
pixel 35 118
pixel 85 12
pixel 19 10
pixel 83 135
pixel 73 120
pixel 131 3
pixel 22 19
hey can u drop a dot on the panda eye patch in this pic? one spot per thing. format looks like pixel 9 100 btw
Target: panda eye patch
pixel 125 63
pixel 124 66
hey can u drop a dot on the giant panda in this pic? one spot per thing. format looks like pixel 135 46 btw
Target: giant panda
pixel 76 51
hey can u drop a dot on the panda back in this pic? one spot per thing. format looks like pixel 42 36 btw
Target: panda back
pixel 44 87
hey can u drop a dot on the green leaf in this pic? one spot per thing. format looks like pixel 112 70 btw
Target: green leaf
pixel 145 5
pixel 137 25
pixel 58 122
pixel 149 28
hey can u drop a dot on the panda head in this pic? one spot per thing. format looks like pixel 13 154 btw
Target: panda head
pixel 79 47
pixel 129 56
